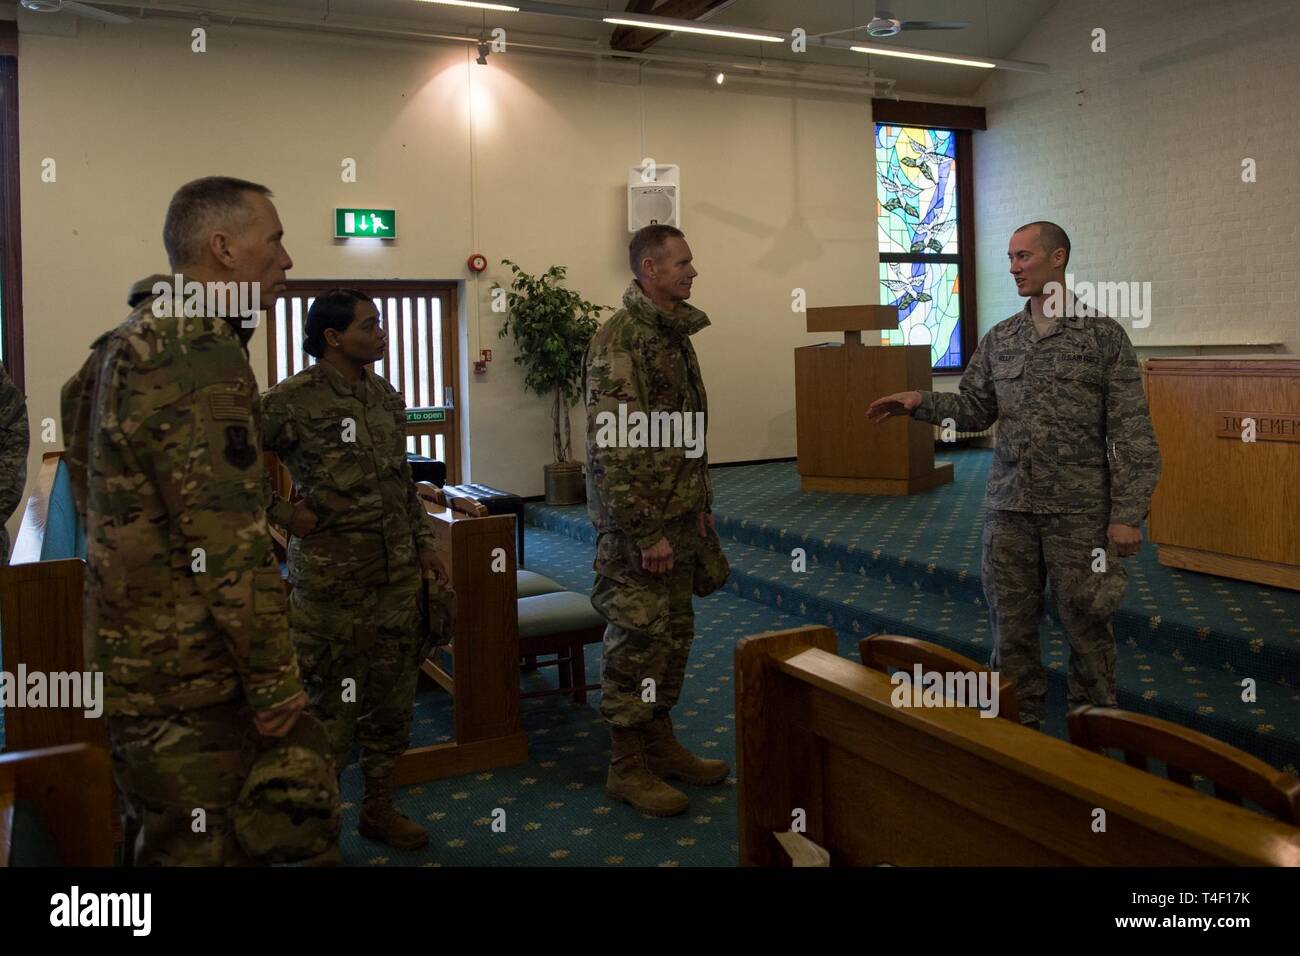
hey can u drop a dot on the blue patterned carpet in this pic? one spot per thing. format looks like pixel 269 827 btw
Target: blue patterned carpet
pixel 555 805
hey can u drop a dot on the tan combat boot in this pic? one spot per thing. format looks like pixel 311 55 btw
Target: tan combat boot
pixel 630 781
pixel 381 821
pixel 666 757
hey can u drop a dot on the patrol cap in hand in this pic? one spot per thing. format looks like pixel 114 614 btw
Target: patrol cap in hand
pixel 288 809
pixel 1099 594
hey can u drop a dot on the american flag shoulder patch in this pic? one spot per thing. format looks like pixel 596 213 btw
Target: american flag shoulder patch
pixel 230 406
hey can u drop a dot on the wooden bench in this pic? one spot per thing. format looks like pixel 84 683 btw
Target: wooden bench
pixel 1186 754
pixel 820 740
pixel 41 619
pixel 61 796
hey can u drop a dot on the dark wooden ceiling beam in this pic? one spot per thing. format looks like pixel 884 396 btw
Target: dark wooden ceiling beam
pixel 639 39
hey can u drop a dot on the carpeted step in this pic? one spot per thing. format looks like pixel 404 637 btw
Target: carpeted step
pixel 1173 685
pixel 932 541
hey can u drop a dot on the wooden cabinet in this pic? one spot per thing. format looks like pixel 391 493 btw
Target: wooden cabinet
pixel 1228 502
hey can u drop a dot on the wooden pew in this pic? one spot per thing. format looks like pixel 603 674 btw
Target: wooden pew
pixel 484 651
pixel 41 618
pixel 945 787
pixel 71 791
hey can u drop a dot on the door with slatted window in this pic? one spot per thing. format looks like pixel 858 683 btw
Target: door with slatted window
pixel 421 363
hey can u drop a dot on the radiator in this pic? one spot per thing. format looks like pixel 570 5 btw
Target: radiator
pixel 965 436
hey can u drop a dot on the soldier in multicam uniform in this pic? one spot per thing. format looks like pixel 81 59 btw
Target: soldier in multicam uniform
pixel 1072 475
pixel 142 289
pixel 652 511
pixel 361 539
pixel 184 608
pixel 14 441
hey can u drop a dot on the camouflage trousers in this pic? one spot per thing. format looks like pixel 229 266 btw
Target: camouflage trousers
pixel 358 650
pixel 167 768
pixel 650 624
pixel 1023 552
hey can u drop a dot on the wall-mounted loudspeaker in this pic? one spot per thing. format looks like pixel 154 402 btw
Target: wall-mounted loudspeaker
pixel 653 196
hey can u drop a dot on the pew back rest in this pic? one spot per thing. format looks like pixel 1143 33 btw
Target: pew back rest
pixel 820 739
pixel 1232 773
pixel 881 652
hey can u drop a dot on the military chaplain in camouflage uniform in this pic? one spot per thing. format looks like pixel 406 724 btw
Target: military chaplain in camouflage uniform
pixel 361 540
pixel 651 508
pixel 184 608
pixel 14 442
pixel 1072 475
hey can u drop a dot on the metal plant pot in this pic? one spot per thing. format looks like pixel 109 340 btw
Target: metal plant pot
pixel 564 483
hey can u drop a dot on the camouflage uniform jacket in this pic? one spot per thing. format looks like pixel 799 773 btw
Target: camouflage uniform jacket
pixel 184 607
pixel 14 442
pixel 1074 432
pixel 642 358
pixel 344 444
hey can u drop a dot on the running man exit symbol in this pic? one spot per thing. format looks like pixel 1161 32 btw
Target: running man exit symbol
pixel 372 223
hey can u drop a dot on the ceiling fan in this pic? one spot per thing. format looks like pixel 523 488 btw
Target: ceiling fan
pixel 76 9
pixel 885 24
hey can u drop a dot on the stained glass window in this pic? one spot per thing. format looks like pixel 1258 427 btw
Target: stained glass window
pixel 916 216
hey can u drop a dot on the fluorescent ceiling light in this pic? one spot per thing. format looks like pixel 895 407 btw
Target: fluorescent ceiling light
pixel 674 26
pixel 475 5
pixel 923 56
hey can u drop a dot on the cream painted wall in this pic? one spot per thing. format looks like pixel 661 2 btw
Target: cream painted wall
pixel 1137 152
pixel 777 192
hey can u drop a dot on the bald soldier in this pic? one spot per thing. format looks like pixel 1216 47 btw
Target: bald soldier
pixel 651 507
pixel 1072 475
pixel 184 608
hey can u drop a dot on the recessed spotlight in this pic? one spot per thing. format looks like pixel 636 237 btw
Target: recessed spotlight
pixel 720 79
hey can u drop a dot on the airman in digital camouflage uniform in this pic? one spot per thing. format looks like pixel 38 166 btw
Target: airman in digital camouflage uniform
pixel 14 441
pixel 361 540
pixel 1072 476
pixel 184 608
pixel 651 508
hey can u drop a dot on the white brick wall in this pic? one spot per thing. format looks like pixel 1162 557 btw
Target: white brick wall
pixel 1137 153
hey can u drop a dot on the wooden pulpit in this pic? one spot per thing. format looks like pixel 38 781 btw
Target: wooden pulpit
pixel 1229 436
pixel 839 448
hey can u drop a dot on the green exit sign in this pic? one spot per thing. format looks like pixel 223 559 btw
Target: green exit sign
pixel 419 416
pixel 365 223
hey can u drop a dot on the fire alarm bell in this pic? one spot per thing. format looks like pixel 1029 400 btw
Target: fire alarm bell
pixel 477 262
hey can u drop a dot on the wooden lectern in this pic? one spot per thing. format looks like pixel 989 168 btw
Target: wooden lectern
pixel 1228 502
pixel 838 448
pixel 484 675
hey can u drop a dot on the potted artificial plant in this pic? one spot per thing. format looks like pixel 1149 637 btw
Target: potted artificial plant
pixel 552 327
